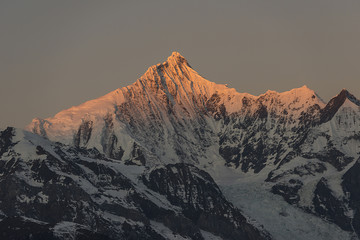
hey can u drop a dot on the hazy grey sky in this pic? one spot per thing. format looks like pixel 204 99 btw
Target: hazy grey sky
pixel 56 54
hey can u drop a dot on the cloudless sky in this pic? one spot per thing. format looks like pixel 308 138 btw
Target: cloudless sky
pixel 56 54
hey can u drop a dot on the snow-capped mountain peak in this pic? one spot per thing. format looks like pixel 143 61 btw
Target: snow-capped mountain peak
pixel 333 106
pixel 304 149
pixel 173 114
pixel 175 59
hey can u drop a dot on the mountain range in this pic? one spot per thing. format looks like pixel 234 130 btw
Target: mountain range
pixel 175 156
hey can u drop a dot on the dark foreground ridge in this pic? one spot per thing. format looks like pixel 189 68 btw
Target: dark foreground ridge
pixel 69 193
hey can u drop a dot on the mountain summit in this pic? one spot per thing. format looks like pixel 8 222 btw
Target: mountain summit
pixel 170 99
pixel 148 160
pixel 177 109
pixel 176 59
pixel 337 102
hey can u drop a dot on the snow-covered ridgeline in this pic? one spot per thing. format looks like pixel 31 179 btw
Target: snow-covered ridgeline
pixel 170 100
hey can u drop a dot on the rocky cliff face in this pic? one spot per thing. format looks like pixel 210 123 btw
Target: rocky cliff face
pixel 299 147
pixel 200 198
pixel 316 174
pixel 53 191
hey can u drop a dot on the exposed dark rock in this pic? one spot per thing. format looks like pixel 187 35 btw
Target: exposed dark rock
pixel 333 156
pixel 303 170
pixel 170 219
pixel 134 233
pixel 351 183
pixel 6 139
pixel 83 135
pixel 330 207
pixel 137 156
pixel 261 112
pixel 201 200
pixel 17 228
pixel 288 191
pixel 335 103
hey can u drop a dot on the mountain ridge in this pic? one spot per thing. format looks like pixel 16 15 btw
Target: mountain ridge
pixel 106 103
pixel 55 192
pixel 172 92
pixel 293 143
pixel 176 59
